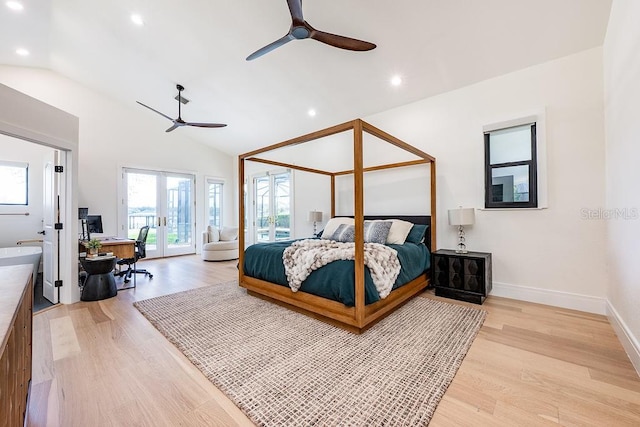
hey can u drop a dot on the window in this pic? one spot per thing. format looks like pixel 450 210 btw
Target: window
pixel 15 179
pixel 214 197
pixel 511 167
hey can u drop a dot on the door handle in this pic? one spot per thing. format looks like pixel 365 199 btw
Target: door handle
pixel 43 232
pixel 159 223
pixel 165 221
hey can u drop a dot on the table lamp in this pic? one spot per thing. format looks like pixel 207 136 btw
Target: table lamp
pixel 315 217
pixel 461 217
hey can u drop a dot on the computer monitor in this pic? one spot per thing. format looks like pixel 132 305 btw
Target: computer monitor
pixel 94 224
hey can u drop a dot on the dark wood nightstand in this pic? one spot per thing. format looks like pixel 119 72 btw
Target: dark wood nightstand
pixel 465 277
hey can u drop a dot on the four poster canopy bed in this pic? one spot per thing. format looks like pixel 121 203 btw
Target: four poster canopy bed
pixel 344 292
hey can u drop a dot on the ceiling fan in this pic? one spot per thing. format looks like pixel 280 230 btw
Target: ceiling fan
pixel 300 29
pixel 179 122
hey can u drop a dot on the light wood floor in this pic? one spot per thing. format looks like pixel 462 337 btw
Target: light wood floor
pixel 102 364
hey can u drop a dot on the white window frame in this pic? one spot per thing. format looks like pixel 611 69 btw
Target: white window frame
pixel 539 118
pixel 17 165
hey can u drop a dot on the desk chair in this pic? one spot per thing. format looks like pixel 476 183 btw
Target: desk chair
pixel 140 252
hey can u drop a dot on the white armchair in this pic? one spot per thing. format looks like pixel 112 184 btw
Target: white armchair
pixel 220 244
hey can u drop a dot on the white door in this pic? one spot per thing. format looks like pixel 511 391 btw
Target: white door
pixel 165 202
pixel 50 248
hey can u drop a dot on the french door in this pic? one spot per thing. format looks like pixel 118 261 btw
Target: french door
pixel 165 202
pixel 272 201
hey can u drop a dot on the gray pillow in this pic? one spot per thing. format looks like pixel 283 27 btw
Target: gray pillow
pixel 344 233
pixel 376 231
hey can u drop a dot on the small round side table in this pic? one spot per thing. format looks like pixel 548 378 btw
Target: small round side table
pixel 100 282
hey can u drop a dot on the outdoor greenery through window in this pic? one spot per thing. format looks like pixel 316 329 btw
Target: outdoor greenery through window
pixel 15 179
pixel 510 167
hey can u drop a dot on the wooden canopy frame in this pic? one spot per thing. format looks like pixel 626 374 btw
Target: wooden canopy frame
pixel 361 316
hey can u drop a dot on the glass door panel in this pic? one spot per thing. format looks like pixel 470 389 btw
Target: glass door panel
pixel 142 208
pixel 179 211
pixel 272 199
pixel 282 196
pixel 263 212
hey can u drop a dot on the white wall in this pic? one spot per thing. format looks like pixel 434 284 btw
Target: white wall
pixel 552 255
pixel 401 191
pixel 312 193
pixel 21 227
pixel 622 104
pixel 113 135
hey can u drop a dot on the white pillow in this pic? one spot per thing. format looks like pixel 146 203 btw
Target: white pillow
pixel 228 233
pixel 399 231
pixel 214 234
pixel 333 224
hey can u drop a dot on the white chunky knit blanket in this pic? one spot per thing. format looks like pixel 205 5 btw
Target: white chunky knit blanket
pixel 305 256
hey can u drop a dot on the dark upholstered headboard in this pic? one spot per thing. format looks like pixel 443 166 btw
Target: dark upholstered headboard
pixel 416 219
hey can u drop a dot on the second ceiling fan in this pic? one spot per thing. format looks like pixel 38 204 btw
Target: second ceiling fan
pixel 177 122
pixel 300 29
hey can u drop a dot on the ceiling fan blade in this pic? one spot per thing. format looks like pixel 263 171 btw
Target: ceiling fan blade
pixel 206 125
pixel 341 41
pixel 295 7
pixel 268 48
pixel 155 111
pixel 172 128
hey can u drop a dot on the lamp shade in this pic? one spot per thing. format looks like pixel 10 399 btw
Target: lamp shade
pixel 462 216
pixel 82 213
pixel 315 216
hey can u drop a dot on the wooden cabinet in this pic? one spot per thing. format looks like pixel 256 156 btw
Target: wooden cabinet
pixel 466 277
pixel 16 311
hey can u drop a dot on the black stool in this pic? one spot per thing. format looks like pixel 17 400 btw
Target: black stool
pixel 99 283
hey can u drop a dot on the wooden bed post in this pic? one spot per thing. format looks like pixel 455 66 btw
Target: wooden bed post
pixel 358 214
pixel 432 166
pixel 241 224
pixel 333 195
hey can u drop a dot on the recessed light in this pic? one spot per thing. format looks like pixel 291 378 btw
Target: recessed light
pixel 15 5
pixel 137 19
pixel 396 80
pixel 22 51
pixel 311 113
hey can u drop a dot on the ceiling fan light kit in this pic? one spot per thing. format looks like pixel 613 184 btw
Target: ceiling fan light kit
pixel 178 122
pixel 300 29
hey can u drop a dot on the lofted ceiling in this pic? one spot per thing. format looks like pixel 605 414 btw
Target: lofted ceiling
pixel 434 45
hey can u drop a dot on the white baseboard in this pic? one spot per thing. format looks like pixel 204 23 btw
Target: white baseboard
pixel 550 297
pixel 626 337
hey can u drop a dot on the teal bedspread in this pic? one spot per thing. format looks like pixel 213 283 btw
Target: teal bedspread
pixel 335 280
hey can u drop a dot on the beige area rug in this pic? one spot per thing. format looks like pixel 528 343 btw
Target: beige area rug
pixel 283 368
